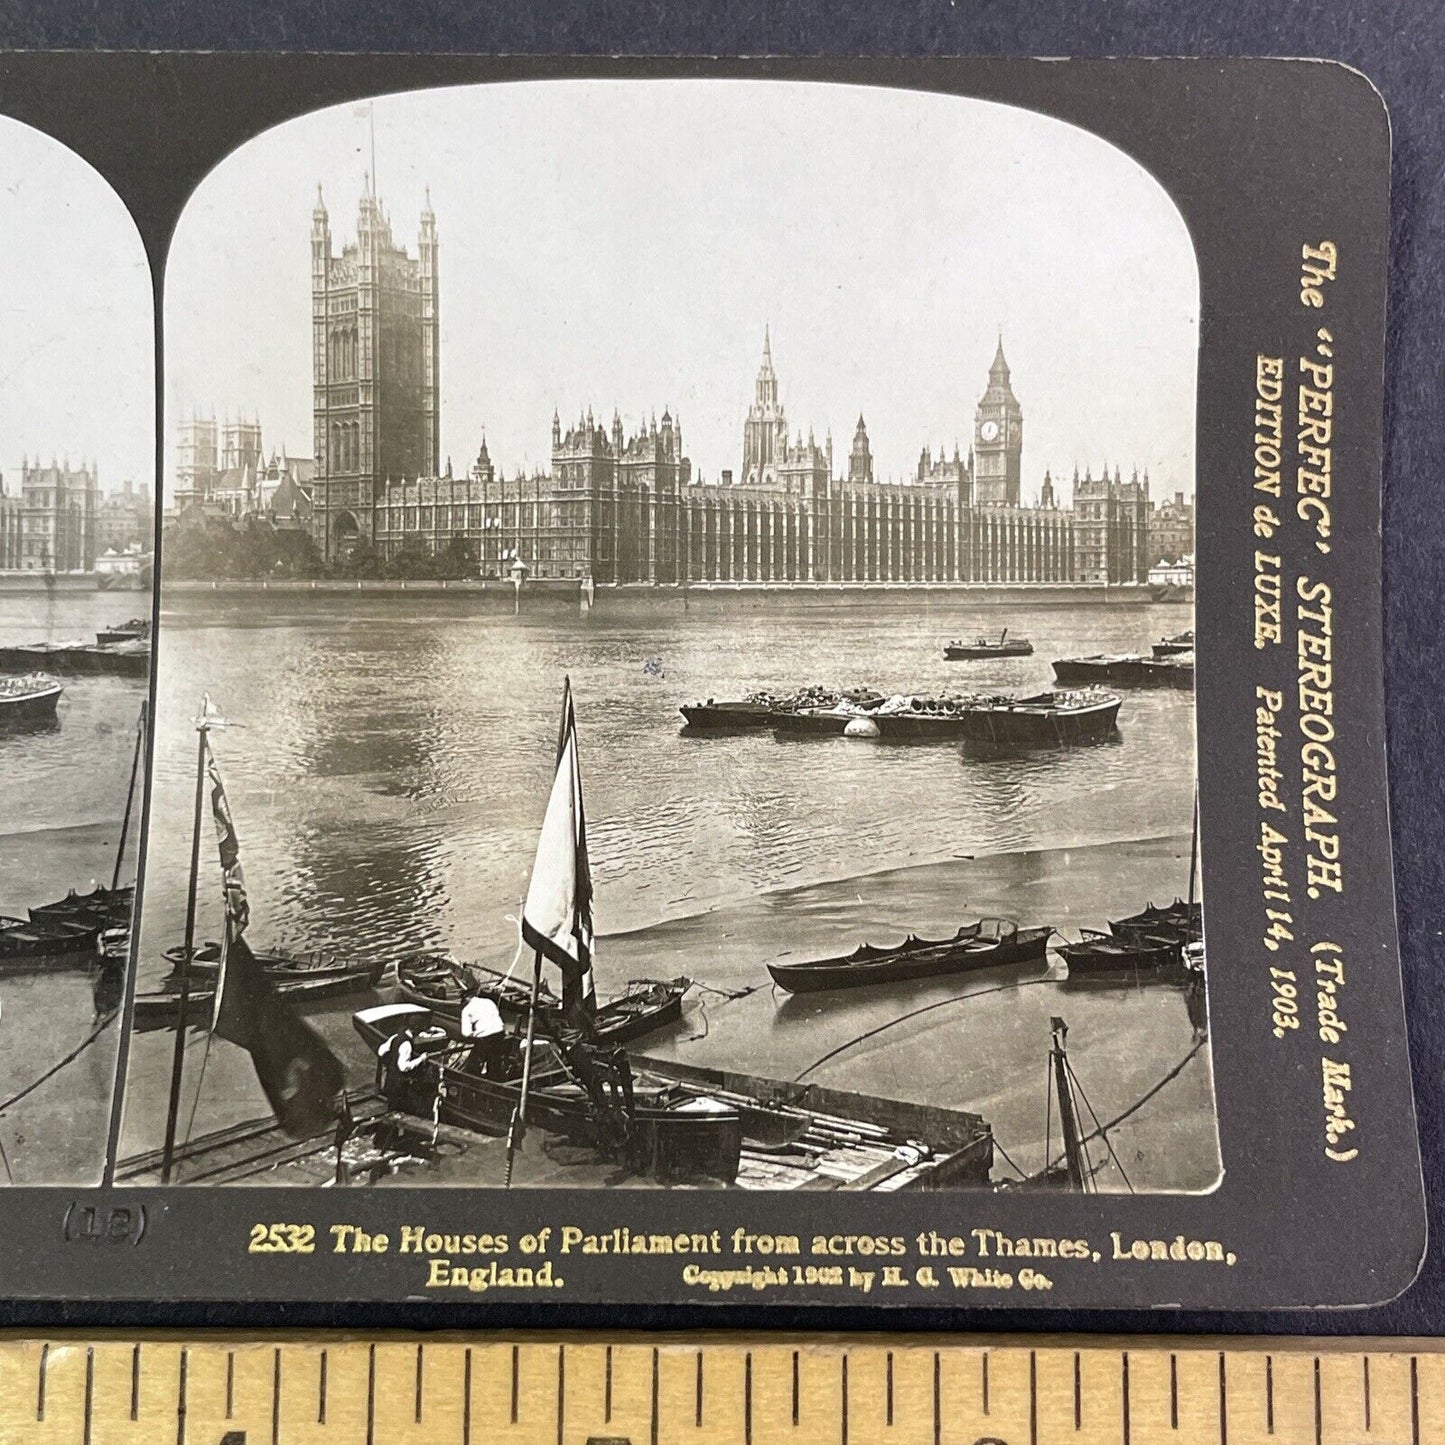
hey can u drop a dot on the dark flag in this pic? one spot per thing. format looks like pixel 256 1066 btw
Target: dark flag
pixel 557 916
pixel 302 1078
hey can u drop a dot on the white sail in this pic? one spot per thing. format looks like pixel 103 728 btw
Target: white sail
pixel 557 916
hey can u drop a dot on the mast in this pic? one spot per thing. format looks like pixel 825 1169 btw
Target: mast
pixel 1074 1160
pixel 518 1126
pixel 1193 862
pixel 178 1056
pixel 140 734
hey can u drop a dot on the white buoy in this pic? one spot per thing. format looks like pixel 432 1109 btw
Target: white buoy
pixel 861 727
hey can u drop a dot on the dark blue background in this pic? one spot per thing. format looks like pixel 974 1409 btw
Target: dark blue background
pixel 1399 46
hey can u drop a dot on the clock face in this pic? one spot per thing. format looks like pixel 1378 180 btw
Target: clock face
pixel 989 431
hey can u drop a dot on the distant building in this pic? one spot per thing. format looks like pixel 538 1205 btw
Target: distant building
pixel 1171 530
pixel 59 506
pixel 376 369
pixel 125 519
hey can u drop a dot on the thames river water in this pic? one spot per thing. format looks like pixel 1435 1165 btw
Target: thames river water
pixel 388 757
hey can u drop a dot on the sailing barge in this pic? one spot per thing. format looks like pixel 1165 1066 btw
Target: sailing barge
pixel 989 943
pixel 676 1123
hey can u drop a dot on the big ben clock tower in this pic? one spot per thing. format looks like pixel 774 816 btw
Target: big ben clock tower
pixel 998 439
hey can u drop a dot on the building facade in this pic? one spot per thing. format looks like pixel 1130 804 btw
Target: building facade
pixel 12 513
pixel 125 519
pixel 375 370
pixel 59 506
pixel 1171 530
pixel 622 506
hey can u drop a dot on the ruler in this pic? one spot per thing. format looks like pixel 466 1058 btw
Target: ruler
pixel 720 1390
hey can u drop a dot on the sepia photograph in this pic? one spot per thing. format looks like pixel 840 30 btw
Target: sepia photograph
pixel 675 654
pixel 77 538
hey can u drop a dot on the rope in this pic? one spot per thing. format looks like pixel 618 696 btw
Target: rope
pixel 1138 1103
pixel 903 1018
pixel 54 1069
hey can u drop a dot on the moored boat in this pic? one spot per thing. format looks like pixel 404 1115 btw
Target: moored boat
pixel 1103 954
pixel 120 659
pixel 277 964
pixel 135 630
pixel 764 709
pixel 1044 719
pixel 1127 670
pixel 32 698
pixel 443 986
pixel 1170 646
pixel 985 647
pixel 989 943
pixel 161 1008
pixel 679 1123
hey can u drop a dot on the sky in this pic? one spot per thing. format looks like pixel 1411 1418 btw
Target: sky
pixel 624 243
pixel 77 377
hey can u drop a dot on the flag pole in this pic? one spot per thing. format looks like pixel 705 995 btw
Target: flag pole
pixel 140 734
pixel 519 1114
pixel 178 1057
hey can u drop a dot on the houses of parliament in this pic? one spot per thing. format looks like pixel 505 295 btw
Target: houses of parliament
pixel 620 507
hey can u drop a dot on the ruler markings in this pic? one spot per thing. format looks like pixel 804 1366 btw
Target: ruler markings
pixel 80 1393
pixel 1319 1411
pixel 181 1400
pixel 985 1379
pixel 561 1392
pixel 276 1398
pixel 1414 1402
pixel 1033 1398
pixel 1224 1404
pixel 1126 1397
pixel 655 1422
pixel 370 1394
pixel 938 1395
pixel 467 1396
pixel 747 1400
pixel 89 1392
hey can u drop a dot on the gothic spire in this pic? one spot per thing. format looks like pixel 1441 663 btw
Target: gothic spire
pixel 999 370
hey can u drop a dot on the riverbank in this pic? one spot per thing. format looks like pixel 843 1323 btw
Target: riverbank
pixel 541 591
